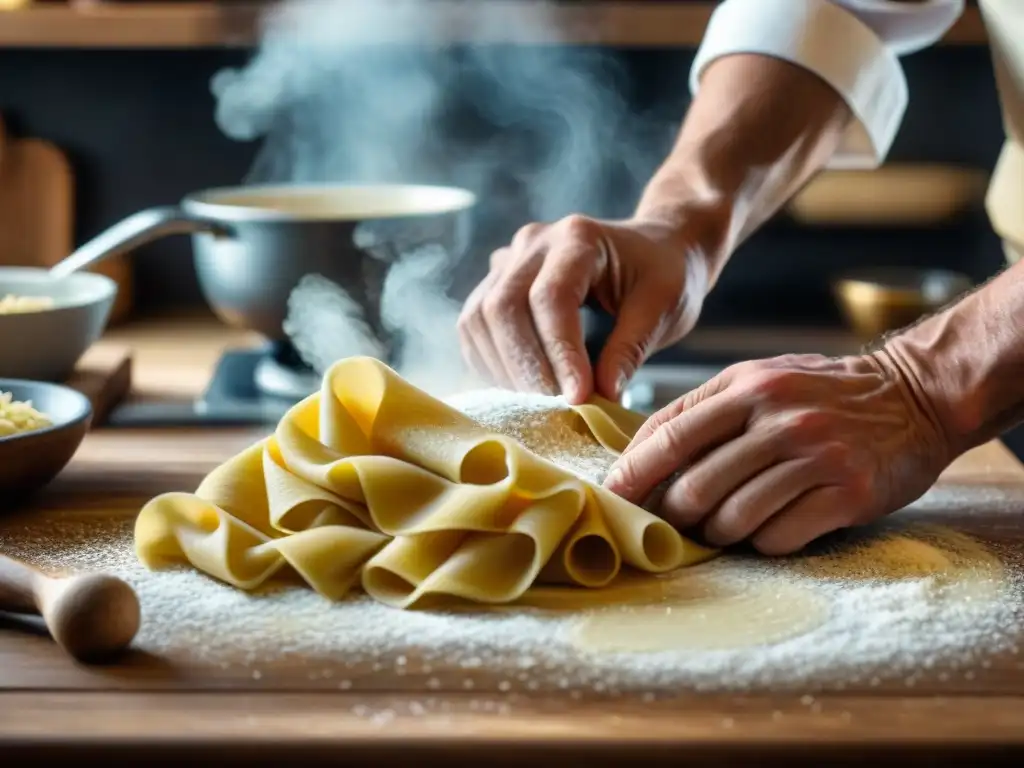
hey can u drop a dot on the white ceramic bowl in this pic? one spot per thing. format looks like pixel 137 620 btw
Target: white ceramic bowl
pixel 46 345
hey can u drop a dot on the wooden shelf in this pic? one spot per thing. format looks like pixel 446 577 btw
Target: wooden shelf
pixel 236 24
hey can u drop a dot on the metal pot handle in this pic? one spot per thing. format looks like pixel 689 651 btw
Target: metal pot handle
pixel 138 229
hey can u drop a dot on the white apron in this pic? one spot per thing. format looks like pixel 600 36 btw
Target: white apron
pixel 1004 20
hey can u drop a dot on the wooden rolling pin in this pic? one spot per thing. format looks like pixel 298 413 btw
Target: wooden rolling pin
pixel 92 616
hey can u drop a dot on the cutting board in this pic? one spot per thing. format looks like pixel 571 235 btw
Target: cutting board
pixel 37 213
pixel 104 375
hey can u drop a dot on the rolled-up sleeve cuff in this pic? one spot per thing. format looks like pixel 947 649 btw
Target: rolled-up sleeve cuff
pixel 830 42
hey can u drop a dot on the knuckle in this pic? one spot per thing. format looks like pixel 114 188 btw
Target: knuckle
pixel 771 386
pixel 715 385
pixel 742 369
pixel 803 426
pixel 546 295
pixel 469 319
pixel 835 457
pixel 499 303
pixel 657 419
pixel 667 439
pixel 703 392
pixel 498 258
pixel 755 383
pixel 688 496
pixel 786 361
pixel 580 228
pixel 669 412
pixel 527 234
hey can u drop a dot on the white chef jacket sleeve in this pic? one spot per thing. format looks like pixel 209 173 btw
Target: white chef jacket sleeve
pixel 853 45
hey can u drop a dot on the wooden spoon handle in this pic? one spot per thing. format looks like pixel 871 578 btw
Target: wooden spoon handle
pixel 20 586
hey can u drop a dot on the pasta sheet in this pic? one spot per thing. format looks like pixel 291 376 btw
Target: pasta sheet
pixel 372 483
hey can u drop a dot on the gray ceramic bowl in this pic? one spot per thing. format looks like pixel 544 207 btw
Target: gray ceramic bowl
pixel 46 345
pixel 30 460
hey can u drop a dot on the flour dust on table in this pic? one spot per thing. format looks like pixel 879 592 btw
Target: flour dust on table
pixel 904 600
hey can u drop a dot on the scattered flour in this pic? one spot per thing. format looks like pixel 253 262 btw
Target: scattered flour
pixel 544 424
pixel 903 600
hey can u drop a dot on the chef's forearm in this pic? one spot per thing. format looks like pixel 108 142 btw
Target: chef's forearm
pixel 757 130
pixel 965 364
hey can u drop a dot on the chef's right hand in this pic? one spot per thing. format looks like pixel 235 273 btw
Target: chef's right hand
pixel 521 327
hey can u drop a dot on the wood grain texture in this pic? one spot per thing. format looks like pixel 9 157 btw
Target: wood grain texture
pixel 104 375
pixel 323 729
pixel 36 201
pixel 235 24
pixel 37 213
pixel 148 708
pixel 175 354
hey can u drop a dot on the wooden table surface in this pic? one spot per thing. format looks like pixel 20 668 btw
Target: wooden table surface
pixel 51 707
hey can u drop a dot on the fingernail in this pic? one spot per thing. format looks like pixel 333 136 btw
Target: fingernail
pixel 575 390
pixel 614 479
pixel 620 384
pixel 570 386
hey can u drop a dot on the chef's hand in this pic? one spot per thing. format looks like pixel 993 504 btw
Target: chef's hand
pixel 521 327
pixel 782 451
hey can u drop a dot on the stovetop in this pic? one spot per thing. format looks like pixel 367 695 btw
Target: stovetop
pixel 236 395
pixel 231 399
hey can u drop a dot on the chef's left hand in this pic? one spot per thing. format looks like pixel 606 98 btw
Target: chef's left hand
pixel 785 450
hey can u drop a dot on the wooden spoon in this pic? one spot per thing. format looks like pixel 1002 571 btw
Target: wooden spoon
pixel 92 616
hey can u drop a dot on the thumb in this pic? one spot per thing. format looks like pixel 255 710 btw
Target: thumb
pixel 680 405
pixel 639 326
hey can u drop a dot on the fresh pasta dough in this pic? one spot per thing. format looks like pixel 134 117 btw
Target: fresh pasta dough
pixel 372 483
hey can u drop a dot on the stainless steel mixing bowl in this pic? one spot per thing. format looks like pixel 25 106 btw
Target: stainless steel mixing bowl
pixel 253 244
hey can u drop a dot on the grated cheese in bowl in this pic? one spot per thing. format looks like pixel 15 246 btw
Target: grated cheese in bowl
pixel 12 304
pixel 17 417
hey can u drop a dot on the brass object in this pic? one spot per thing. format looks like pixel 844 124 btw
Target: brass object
pixel 908 195
pixel 876 301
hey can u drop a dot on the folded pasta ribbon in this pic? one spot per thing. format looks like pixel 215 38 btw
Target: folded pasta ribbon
pixel 373 483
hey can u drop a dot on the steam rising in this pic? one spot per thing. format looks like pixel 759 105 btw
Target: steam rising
pixel 374 91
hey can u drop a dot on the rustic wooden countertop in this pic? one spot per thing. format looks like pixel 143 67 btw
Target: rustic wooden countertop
pixel 142 711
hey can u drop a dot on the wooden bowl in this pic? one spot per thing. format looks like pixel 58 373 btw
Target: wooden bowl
pixel 30 460
pixel 876 301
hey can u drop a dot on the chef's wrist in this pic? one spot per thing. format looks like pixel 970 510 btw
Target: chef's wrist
pixel 697 228
pixel 924 396
pixel 964 363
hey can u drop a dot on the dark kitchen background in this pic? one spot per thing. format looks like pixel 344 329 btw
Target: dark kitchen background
pixel 138 126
